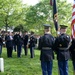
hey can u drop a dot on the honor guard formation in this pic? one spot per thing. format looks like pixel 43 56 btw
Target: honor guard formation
pixel 61 47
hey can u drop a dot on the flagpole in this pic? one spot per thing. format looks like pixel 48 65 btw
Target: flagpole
pixel 55 19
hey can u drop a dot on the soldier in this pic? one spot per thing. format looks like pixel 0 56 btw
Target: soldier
pixel 32 44
pixel 9 44
pixel 19 42
pixel 62 44
pixel 46 43
pixel 72 51
pixel 25 40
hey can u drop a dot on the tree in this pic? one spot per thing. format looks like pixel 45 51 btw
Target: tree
pixel 38 15
pixel 10 12
pixel 42 13
pixel 14 13
pixel 65 14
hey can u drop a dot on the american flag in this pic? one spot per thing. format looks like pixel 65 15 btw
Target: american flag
pixel 73 21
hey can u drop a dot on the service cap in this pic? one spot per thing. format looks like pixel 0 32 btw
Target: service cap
pixel 47 26
pixel 63 26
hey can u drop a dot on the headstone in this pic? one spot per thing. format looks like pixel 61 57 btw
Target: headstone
pixel 1 65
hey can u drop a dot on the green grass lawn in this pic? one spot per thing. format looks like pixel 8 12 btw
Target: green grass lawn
pixel 25 65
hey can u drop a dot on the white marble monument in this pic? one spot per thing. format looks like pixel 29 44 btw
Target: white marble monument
pixel 1 65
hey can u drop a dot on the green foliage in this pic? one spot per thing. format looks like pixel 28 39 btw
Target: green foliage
pixel 38 15
pixel 65 14
pixel 43 13
pixel 13 13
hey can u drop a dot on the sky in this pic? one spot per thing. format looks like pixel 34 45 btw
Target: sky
pixel 70 1
pixel 33 2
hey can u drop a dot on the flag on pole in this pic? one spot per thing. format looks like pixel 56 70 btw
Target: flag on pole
pixel 73 21
pixel 55 15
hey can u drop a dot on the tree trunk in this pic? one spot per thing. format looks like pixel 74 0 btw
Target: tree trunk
pixel 6 24
pixel 6 27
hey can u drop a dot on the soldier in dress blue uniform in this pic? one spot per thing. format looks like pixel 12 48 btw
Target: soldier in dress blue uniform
pixel 19 42
pixel 62 44
pixel 72 51
pixel 46 43
pixel 32 43
pixel 25 41
pixel 9 44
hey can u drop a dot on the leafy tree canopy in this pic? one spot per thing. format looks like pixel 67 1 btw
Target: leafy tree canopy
pixel 14 13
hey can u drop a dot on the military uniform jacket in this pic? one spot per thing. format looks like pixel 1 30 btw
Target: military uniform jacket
pixel 9 42
pixel 18 39
pixel 25 39
pixel 72 50
pixel 32 41
pixel 46 43
pixel 61 46
pixel 15 39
